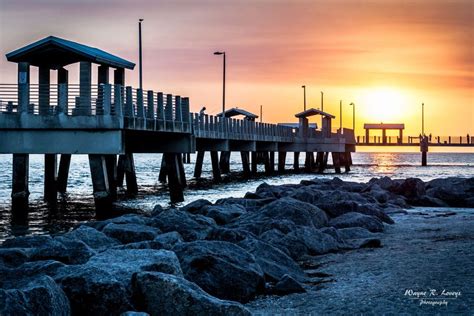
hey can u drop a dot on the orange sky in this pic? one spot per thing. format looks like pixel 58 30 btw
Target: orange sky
pixel 385 56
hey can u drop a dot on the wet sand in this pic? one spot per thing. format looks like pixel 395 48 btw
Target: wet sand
pixel 426 249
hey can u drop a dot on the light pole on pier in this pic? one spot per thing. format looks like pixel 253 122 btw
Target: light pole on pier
pixel 422 119
pixel 304 96
pixel 322 101
pixel 140 69
pixel 223 82
pixel 340 115
pixel 261 113
pixel 353 116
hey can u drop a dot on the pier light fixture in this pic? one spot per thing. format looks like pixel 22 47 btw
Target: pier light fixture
pixel 304 95
pixel 140 69
pixel 223 81
pixel 353 117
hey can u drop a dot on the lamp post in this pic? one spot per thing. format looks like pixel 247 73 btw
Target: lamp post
pixel 422 119
pixel 353 116
pixel 304 95
pixel 261 113
pixel 322 101
pixel 140 70
pixel 340 115
pixel 223 82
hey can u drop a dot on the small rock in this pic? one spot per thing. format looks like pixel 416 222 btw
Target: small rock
pixel 195 206
pixel 353 219
pixel 287 285
pixel 92 237
pixel 128 233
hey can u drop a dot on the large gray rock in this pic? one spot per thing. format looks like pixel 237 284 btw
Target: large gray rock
pixel 195 206
pixel 222 269
pixel 282 211
pixel 94 291
pixel 128 233
pixel 250 204
pixel 124 263
pixel 92 237
pixel 27 241
pixel 65 250
pixel 10 278
pixel 162 241
pixel 189 226
pixel 223 214
pixel 165 294
pixel 124 219
pixel 353 219
pixel 274 262
pixel 13 257
pixel 287 285
pixel 41 296
pixel 457 192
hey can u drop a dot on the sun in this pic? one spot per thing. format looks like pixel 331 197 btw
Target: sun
pixel 384 105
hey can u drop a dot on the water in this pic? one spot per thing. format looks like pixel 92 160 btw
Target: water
pixel 77 206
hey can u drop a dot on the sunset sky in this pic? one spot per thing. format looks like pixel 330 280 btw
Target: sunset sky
pixel 385 56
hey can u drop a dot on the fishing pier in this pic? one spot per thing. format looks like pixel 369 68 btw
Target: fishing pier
pixel 111 121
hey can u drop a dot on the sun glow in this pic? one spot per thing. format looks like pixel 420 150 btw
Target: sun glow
pixel 386 105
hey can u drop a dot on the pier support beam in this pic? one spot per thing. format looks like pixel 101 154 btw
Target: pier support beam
pixel 266 162
pixel 347 161
pixel 216 172
pixel 100 184
pixel 296 161
pixel 20 192
pixel 309 162
pixel 50 178
pixel 272 161
pixel 245 162
pixel 198 165
pixel 126 168
pixel 174 179
pixel 281 161
pixel 63 172
pixel 336 162
pixel 224 162
pixel 163 173
pixel 111 163
pixel 43 90
pixel 182 173
pixel 254 162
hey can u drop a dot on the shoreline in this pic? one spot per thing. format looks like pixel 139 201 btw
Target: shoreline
pixel 269 242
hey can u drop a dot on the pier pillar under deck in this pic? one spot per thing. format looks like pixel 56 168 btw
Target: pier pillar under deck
pixel 254 162
pixel 175 185
pixel 182 173
pixel 120 171
pixel 84 106
pixel 216 172
pixel 111 163
pixel 347 161
pixel 63 172
pixel 281 161
pixel 266 162
pixel 50 178
pixel 23 86
pixel 319 159
pixel 245 162
pixel 272 161
pixel 198 166
pixel 296 161
pixel 336 162
pixel 43 90
pixel 224 162
pixel 163 172
pixel 324 162
pixel 20 192
pixel 130 175
pixel 309 162
pixel 100 184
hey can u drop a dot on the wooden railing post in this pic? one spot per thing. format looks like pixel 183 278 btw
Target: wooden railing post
pixel 106 98
pixel 169 107
pixel 62 98
pixel 118 100
pixel 160 111
pixel 150 105
pixel 129 102
pixel 140 108
pixel 177 109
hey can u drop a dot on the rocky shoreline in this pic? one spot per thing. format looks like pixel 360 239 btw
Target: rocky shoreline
pixel 209 259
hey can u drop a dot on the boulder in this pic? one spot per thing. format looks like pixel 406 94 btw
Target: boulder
pixel 287 285
pixel 189 226
pixel 40 296
pixel 92 237
pixel 169 239
pixel 250 204
pixel 164 294
pixel 128 233
pixel 456 192
pixel 222 269
pixel 94 291
pixel 223 214
pixel 13 257
pixel 353 219
pixel 411 188
pixel 227 234
pixel 124 263
pixel 274 262
pixel 195 206
pixel 27 241
pixel 65 250
pixel 124 219
pixel 10 278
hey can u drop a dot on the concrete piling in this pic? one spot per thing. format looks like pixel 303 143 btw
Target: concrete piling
pixel 63 172
pixel 296 161
pixel 111 163
pixel 50 178
pixel 254 162
pixel 216 172
pixel 163 172
pixel 336 162
pixel 198 166
pixel 174 177
pixel 281 161
pixel 224 162
pixel 100 184
pixel 245 163
pixel 20 192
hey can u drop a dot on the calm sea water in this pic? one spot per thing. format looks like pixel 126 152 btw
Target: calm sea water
pixel 77 206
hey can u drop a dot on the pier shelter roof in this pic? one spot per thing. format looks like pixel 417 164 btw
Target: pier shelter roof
pixel 384 126
pixel 55 53
pixel 313 111
pixel 236 112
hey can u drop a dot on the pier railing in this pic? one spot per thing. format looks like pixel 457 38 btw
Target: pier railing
pixel 415 140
